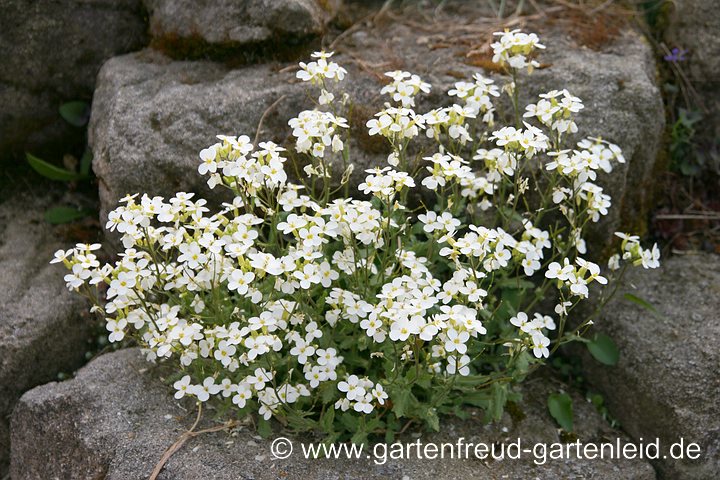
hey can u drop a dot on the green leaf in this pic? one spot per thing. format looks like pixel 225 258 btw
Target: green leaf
pixel 400 398
pixel 59 215
pixel 328 393
pixel 424 380
pixel 604 350
pixel 516 283
pixel 433 420
pixel 86 162
pixel 644 304
pixel 471 380
pixel 264 428
pixel 560 407
pixel 326 422
pixel 50 171
pixel 477 399
pixel 350 422
pixel 597 400
pixel 522 364
pixel 75 113
pixel 498 398
pixel 360 438
pixel 460 413
pixel 374 424
pixel 511 300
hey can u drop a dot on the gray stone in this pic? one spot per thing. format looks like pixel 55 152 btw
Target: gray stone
pixel 52 53
pixel 115 419
pixel 151 116
pixel 237 23
pixel 617 85
pixel 693 26
pixel 666 383
pixel 43 327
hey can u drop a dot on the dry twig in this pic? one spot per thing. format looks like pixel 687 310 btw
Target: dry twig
pixel 184 438
pixel 262 119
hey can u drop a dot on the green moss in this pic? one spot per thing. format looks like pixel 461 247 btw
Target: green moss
pixel 516 413
pixel 568 437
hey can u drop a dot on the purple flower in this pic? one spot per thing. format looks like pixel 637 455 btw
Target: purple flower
pixel 676 55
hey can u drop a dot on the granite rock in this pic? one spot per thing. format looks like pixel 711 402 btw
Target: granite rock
pixel 233 24
pixel 115 419
pixel 666 384
pixel 152 115
pixel 44 328
pixel 52 53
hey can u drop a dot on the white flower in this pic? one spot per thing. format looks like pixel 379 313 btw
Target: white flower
pixel 302 350
pixel 456 341
pixel 224 353
pixel 326 97
pixel 240 281
pixel 242 395
pixel 460 365
pixel 262 300
pixel 379 394
pixel 182 386
pixel 351 387
pixel 208 387
pixel 521 321
pixel 116 329
pixel 364 404
pixel 539 345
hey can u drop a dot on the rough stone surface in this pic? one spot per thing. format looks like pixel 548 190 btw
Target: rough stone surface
pixel 52 53
pixel 236 23
pixel 151 115
pixel 115 419
pixel 693 26
pixel 177 106
pixel 616 83
pixel 43 328
pixel 666 383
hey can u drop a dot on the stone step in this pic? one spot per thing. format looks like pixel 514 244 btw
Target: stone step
pixel 44 328
pixel 116 418
pixel 667 384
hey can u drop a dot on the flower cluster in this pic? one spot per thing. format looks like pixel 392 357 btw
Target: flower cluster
pixel 293 302
pixel 514 49
pixel 315 131
pixel 404 87
pixel 476 96
pixel 555 110
pixel 633 251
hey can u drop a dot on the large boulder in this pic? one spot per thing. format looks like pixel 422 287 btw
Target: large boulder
pixel 151 115
pixel 52 51
pixel 616 81
pixel 190 27
pixel 666 384
pixel 115 420
pixel 44 328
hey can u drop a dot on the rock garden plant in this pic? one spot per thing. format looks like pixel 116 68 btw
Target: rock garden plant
pixel 442 281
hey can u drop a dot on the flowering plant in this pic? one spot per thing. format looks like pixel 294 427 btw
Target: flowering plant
pixel 354 316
